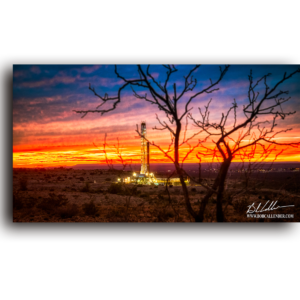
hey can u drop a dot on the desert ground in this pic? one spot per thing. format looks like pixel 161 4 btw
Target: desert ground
pixel 68 195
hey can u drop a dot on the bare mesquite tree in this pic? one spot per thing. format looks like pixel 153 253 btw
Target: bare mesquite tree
pixel 230 141
pixel 158 94
pixel 253 136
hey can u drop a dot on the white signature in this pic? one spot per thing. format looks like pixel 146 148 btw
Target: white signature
pixel 272 206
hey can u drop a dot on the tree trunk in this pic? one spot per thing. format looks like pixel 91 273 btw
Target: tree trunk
pixel 223 174
pixel 200 215
pixel 199 171
pixel 180 172
pixel 219 186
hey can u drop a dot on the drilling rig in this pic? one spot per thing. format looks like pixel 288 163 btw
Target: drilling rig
pixel 145 151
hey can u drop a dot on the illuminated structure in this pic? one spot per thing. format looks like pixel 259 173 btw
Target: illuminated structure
pixel 144 177
pixel 145 155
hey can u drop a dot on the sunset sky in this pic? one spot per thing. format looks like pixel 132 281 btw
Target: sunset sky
pixel 46 131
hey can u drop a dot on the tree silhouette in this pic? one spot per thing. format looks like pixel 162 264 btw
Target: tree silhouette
pixel 249 138
pixel 164 101
pixel 230 142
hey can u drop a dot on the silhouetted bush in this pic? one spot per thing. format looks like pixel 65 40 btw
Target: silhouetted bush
pixel 115 212
pixel 90 208
pixel 86 188
pixel 107 179
pixel 193 190
pixel 161 197
pixel 68 211
pixel 17 202
pixel 240 206
pixel 30 203
pixel 131 191
pixel 164 216
pixel 23 184
pixel 81 178
pixel 115 188
pixel 98 191
pixel 52 203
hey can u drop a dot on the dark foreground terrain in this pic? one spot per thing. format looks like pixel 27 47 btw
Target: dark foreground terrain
pixel 67 195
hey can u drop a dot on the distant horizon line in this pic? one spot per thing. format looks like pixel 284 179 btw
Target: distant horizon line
pixel 135 164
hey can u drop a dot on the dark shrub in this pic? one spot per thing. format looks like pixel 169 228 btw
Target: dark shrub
pixel 52 203
pixel 90 208
pixel 193 190
pixel 30 203
pixel 115 188
pixel 86 188
pixel 144 195
pixel 17 202
pixel 99 191
pixel 23 184
pixel 58 178
pixel 164 216
pixel 108 179
pixel 68 211
pixel 81 178
pixel 240 206
pixel 161 197
pixel 131 191
pixel 114 213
